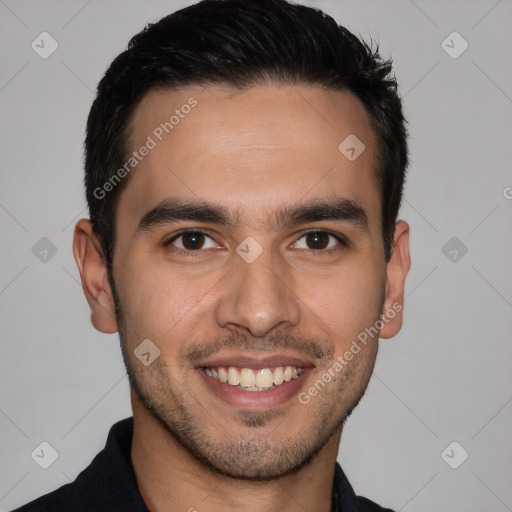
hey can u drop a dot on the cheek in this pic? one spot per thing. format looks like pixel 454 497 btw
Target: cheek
pixel 165 304
pixel 346 302
pixel 160 304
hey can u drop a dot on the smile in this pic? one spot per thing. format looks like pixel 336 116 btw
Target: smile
pixel 255 381
pixel 250 379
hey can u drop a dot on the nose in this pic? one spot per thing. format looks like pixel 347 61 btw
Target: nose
pixel 258 297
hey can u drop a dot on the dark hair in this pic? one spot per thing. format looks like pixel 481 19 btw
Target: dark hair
pixel 240 43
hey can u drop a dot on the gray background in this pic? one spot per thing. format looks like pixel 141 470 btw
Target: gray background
pixel 446 377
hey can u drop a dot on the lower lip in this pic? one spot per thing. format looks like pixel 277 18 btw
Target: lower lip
pixel 255 400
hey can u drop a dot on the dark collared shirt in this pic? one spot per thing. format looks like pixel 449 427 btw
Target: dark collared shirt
pixel 108 484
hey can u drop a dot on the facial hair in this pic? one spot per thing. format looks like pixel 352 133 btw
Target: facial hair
pixel 254 455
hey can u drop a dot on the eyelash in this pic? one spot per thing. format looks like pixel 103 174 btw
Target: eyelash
pixel 195 254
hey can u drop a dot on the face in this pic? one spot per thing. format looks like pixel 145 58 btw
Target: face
pixel 249 251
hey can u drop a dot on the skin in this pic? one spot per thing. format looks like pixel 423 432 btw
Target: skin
pixel 253 152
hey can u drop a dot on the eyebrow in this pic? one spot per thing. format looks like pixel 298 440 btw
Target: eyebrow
pixel 175 210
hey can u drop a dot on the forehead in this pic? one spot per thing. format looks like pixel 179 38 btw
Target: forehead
pixel 254 150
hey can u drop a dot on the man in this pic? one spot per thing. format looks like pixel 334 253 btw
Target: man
pixel 244 171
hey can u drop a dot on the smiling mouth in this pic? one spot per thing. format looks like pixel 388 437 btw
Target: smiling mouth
pixel 250 379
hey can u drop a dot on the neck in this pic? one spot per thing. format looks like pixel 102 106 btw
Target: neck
pixel 170 478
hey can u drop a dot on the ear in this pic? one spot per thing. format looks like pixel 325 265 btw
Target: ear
pixel 93 273
pixel 397 269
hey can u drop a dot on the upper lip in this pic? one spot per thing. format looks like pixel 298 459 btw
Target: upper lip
pixel 255 360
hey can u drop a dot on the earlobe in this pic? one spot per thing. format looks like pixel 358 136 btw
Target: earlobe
pixel 397 269
pixel 94 277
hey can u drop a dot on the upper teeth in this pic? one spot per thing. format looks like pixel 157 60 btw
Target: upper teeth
pixel 263 378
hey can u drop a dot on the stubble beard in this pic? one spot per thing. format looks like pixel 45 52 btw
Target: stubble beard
pixel 256 455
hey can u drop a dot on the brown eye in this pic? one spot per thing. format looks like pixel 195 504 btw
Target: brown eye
pixel 317 240
pixel 320 241
pixel 191 241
